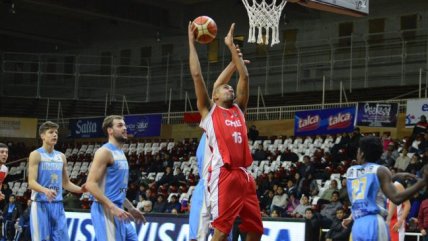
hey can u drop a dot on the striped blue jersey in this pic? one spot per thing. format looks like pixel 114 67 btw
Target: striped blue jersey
pixel 49 174
pixel 364 191
pixel 115 181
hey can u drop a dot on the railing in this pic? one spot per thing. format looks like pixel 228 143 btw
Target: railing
pixel 262 113
pixel 356 61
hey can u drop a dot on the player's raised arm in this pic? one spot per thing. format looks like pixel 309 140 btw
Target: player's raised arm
pixel 102 158
pixel 203 99
pixel 33 168
pixel 242 89
pixel 66 183
pixel 388 188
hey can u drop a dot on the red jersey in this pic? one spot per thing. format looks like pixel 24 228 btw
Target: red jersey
pixel 3 173
pixel 227 137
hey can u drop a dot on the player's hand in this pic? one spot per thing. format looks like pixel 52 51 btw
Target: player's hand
pixel 246 61
pixel 1 196
pixel 190 32
pixel 228 40
pixel 423 232
pixel 83 188
pixel 50 194
pixel 346 222
pixel 404 175
pixel 138 216
pixel 397 225
pixel 120 213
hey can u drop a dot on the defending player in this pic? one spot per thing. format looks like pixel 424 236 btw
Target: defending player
pixel 223 121
pixel 108 182
pixel 368 184
pixel 47 176
pixel 397 215
pixel 4 154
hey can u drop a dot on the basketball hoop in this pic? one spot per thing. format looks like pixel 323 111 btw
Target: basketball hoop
pixel 266 16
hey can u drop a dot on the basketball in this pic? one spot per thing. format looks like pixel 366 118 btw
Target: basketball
pixel 205 29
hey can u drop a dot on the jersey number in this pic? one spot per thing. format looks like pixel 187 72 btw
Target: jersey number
pixel 237 137
pixel 358 188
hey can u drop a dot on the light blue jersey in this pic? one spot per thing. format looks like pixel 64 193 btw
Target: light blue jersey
pixel 47 219
pixel 114 185
pixel 368 203
pixel 199 216
pixel 49 174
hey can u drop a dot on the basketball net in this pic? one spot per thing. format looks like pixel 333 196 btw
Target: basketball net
pixel 264 16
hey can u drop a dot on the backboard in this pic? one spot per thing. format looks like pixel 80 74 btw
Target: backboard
pixel 357 8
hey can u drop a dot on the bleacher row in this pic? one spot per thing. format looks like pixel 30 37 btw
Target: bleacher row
pixel 300 146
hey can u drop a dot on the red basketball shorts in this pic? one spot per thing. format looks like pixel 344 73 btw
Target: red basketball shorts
pixel 233 194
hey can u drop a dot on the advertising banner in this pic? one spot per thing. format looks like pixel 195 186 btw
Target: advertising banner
pixel 143 125
pixel 86 128
pixel 18 127
pixel 176 228
pixel 415 108
pixel 323 122
pixel 377 114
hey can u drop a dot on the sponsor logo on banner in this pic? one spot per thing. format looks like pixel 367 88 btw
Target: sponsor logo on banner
pixel 309 123
pixel 143 125
pixel 86 128
pixel 339 121
pixel 176 228
pixel 323 122
pixel 377 114
pixel 415 108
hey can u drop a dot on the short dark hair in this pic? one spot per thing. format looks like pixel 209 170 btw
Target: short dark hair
pixel 340 209
pixel 46 126
pixel 335 192
pixel 108 122
pixel 371 147
pixel 309 209
pixel 2 145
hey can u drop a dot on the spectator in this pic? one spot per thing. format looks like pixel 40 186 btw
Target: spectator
pixel 279 201
pixel 167 178
pixel 299 183
pixel 307 168
pixel 71 201
pixel 423 219
pixel 343 192
pixel 420 127
pixel 268 183
pixel 160 205
pixel 424 143
pixel 173 204
pixel 389 156
pixel 337 232
pixel 299 211
pixel 328 212
pixel 141 192
pixel 415 165
pixel 179 177
pixel 354 142
pixel 402 161
pixel 312 226
pixel 23 232
pixel 293 202
pixel 253 133
pixel 274 214
pixel 291 188
pixel 325 196
pixel 145 206
pixel 288 155
pixel 11 213
pixel 266 200
pixel 259 153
